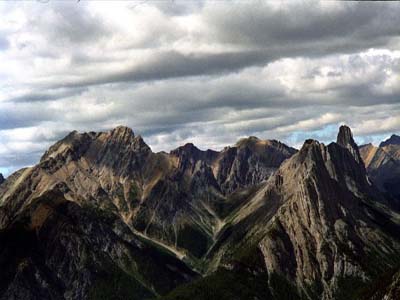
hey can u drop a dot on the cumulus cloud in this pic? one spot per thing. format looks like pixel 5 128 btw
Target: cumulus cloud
pixel 208 72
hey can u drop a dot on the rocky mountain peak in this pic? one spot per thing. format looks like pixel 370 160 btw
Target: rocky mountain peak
pixel 122 140
pixel 345 136
pixel 188 155
pixel 393 140
pixel 309 142
pixel 71 146
pixel 122 133
pixel 249 141
pixel 345 139
pixel 312 153
pixel 308 145
pixel 1 178
pixel 308 214
pixel 189 149
pixel 334 161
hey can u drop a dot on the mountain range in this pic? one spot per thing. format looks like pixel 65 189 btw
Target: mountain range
pixel 102 216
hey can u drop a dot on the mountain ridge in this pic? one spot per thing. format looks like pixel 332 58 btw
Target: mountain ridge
pixel 284 222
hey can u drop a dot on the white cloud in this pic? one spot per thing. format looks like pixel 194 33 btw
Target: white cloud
pixel 207 72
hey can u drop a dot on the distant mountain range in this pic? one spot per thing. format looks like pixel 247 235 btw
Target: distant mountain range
pixel 101 216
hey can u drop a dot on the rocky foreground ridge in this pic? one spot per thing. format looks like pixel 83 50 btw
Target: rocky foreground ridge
pixel 101 216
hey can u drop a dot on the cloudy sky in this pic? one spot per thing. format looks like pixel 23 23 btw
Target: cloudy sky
pixel 205 72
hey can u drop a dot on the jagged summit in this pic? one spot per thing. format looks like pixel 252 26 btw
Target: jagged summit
pixel 122 133
pixel 122 129
pixel 188 147
pixel 345 139
pixel 319 222
pixel 310 147
pixel 345 136
pixel 190 152
pixel 251 140
pixel 310 217
pixel 393 140
pixel 310 142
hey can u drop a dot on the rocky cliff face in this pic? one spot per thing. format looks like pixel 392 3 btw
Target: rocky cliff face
pixel 249 162
pixel 56 249
pixel 102 216
pixel 177 199
pixel 345 139
pixel 316 224
pixel 383 167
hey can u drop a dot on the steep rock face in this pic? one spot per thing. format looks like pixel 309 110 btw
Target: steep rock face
pixel 383 167
pixel 329 228
pixel 101 215
pixel 386 287
pixel 248 163
pixel 318 223
pixel 177 199
pixel 345 139
pixel 1 178
pixel 203 185
pixel 55 249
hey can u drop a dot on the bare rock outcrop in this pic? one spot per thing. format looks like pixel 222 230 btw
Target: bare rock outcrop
pixel 174 198
pixel 318 223
pixel 102 208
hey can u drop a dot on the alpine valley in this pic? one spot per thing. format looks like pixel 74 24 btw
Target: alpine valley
pixel 101 216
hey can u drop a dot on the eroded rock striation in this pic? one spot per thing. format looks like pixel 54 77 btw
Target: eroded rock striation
pixel 318 225
pixel 177 199
pixel 102 216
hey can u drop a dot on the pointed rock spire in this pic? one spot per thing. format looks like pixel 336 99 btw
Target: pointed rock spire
pixel 345 139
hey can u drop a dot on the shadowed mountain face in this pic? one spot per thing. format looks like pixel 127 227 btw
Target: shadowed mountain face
pixel 258 220
pixel 55 249
pixel 393 140
pixel 383 167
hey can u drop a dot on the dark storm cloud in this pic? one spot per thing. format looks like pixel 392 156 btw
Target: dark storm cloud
pixel 263 35
pixel 172 64
pixel 353 24
pixel 49 96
